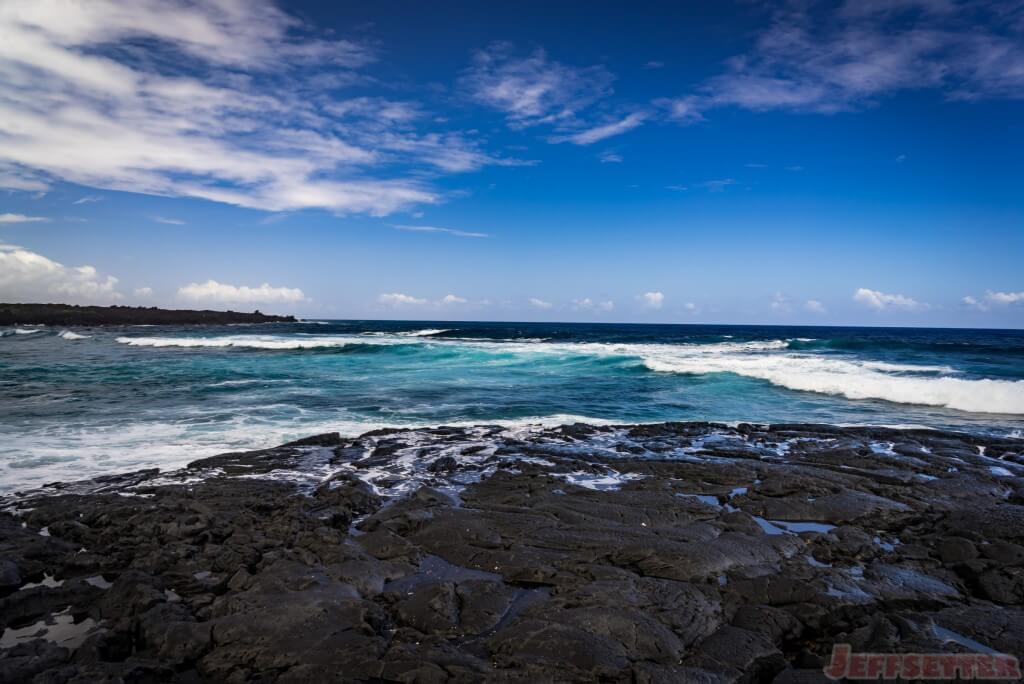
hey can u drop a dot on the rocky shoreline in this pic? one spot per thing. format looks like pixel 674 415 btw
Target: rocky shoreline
pixel 678 552
pixel 69 314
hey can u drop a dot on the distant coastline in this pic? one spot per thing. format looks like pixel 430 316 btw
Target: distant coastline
pixel 68 314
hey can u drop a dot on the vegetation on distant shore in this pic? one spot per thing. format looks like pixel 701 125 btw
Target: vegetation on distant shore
pixel 69 314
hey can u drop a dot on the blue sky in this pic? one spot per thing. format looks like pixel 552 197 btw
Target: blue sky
pixel 819 163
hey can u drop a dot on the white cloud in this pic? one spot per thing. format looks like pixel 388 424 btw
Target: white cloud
pixel 992 299
pixel 717 185
pixel 684 110
pixel 214 291
pixel 399 299
pixel 143 292
pixel 13 177
pixel 533 89
pixel 781 302
pixel 30 277
pixel 814 306
pixel 652 300
pixel 589 304
pixel 610 158
pixel 598 133
pixel 255 121
pixel 88 199
pixel 974 303
pixel 881 301
pixel 1005 297
pixel 435 229
pixel 539 303
pixel 21 218
pixel 691 308
pixel 169 221
pixel 817 59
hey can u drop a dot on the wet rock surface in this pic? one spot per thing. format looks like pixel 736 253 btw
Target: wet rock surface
pixel 673 552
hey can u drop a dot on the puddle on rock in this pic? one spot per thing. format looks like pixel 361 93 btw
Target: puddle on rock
pixel 48 581
pixel 436 569
pixel 59 628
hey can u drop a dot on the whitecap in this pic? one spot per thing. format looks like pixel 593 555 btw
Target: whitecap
pixel 854 380
pixel 248 341
pixel 68 335
pixel 907 368
pixel 769 360
pixel 429 332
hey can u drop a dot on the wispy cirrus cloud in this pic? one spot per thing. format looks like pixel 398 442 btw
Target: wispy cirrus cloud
pixel 717 185
pixel 225 101
pixel 826 58
pixel 436 229
pixel 168 221
pixel 533 89
pixel 598 133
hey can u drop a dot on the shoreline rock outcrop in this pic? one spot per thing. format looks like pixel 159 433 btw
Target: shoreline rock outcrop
pixel 678 552
pixel 69 314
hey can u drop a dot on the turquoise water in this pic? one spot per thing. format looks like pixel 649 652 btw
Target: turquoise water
pixel 81 402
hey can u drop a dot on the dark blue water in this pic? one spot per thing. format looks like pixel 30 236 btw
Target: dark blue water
pixel 107 399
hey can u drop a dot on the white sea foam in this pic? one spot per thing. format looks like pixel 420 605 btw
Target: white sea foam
pixel 851 379
pixel 251 341
pixel 907 368
pixel 10 332
pixel 68 335
pixel 427 332
pixel 424 333
pixel 79 452
pixel 854 379
pixel 769 360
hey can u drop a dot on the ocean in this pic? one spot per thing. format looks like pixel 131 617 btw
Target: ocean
pixel 82 402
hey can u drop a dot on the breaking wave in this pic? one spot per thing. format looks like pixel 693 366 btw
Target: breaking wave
pixel 774 361
pixel 429 332
pixel 251 342
pixel 900 383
